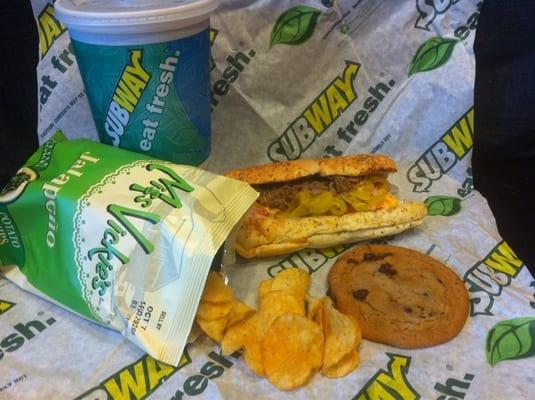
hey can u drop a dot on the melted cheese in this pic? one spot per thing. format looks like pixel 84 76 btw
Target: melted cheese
pixel 370 194
pixel 389 201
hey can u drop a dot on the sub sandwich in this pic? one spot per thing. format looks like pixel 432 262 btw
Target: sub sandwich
pixel 315 203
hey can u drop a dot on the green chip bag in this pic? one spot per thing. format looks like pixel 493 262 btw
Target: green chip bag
pixel 118 238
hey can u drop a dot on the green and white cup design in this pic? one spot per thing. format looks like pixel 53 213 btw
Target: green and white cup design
pixel 148 83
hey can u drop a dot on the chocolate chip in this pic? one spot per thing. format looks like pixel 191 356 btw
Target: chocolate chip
pixel 408 310
pixel 360 294
pixel 387 269
pixel 370 257
pixel 352 262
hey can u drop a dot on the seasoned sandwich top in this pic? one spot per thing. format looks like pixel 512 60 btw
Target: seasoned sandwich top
pixel 354 165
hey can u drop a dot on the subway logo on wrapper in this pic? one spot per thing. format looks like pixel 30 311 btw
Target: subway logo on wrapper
pixel 234 66
pixel 311 260
pixel 319 115
pixel 196 384
pixel 143 377
pixel 485 280
pixel 135 381
pixel 390 384
pixel 23 332
pixel 5 306
pixel 49 28
pixel 444 154
pixel 324 111
pixel 428 10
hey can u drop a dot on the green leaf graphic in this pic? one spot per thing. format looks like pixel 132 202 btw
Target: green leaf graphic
pixel 511 340
pixel 295 26
pixel 432 54
pixel 443 205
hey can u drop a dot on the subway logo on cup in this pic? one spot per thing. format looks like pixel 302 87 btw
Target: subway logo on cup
pixel 442 156
pixel 129 89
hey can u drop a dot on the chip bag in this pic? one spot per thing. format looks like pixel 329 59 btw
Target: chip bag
pixel 118 238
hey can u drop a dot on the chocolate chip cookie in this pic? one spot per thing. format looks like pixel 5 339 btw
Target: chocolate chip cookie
pixel 399 296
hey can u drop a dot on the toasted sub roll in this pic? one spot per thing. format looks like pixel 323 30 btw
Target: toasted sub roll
pixel 315 203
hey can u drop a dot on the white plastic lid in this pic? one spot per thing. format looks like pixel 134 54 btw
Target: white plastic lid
pixel 132 16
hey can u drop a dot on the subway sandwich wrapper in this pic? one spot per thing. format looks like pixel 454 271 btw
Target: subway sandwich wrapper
pixel 293 80
pixel 117 238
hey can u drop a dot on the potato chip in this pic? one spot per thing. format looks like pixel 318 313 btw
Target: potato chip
pixel 215 290
pixel 239 311
pixel 210 311
pixel 292 348
pixel 346 365
pixel 293 280
pixel 290 336
pixel 276 303
pixel 341 334
pixel 264 288
pixel 244 335
pixel 239 334
pixel 215 328
pixel 359 331
pixel 253 357
pixel 235 336
pixel 314 308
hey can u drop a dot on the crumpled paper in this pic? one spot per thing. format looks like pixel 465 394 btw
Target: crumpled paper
pixel 294 79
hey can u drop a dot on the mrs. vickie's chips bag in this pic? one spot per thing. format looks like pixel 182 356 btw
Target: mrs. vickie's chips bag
pixel 117 238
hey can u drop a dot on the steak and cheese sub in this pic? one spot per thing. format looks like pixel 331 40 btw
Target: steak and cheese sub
pixel 314 203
